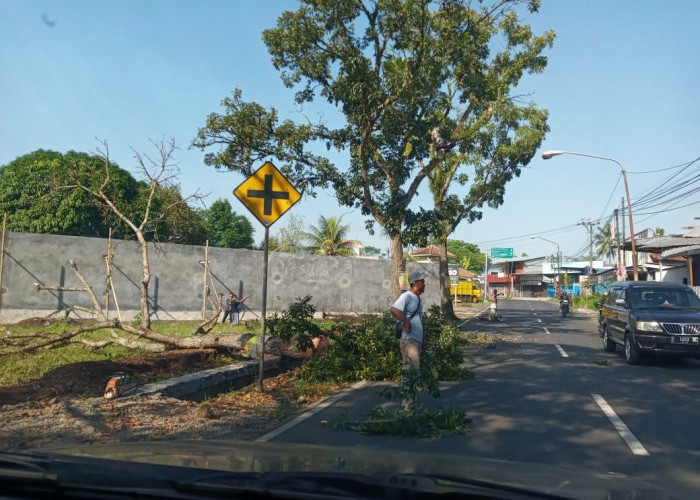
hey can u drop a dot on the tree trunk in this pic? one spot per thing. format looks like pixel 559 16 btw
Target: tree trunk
pixel 211 340
pixel 398 264
pixel 145 308
pixel 445 299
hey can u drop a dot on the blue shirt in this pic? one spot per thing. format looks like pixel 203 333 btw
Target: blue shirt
pixel 407 303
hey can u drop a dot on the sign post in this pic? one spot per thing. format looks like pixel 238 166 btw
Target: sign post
pixel 268 195
pixel 453 271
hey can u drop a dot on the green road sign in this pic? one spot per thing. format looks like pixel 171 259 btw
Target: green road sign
pixel 501 253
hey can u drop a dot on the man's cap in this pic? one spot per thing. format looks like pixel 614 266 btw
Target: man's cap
pixel 416 276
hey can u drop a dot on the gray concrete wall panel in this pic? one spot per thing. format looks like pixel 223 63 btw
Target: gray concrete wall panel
pixel 176 290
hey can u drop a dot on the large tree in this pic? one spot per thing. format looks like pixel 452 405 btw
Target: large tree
pixel 395 70
pixel 467 255
pixel 34 195
pixel 30 196
pixel 226 228
pixel 495 137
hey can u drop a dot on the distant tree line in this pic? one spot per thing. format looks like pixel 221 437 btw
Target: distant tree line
pixel 37 196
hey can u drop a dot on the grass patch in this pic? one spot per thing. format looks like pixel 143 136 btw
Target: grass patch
pixel 19 368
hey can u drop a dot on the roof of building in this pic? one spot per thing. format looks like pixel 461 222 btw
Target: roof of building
pixel 429 251
pixel 465 273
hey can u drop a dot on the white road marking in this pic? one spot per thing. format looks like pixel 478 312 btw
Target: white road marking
pixel 634 444
pixel 539 320
pixel 561 351
pixel 535 314
pixel 321 405
pixel 545 330
pixel 475 316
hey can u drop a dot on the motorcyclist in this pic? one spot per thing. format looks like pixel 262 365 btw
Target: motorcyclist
pixel 564 296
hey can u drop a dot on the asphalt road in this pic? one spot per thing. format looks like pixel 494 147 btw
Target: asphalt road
pixel 548 393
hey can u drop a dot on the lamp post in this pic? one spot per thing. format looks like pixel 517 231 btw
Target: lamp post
pixel 558 259
pixel 549 154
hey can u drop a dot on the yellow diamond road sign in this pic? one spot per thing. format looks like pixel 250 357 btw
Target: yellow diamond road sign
pixel 267 194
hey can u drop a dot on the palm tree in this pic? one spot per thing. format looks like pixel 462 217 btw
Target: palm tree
pixel 605 241
pixel 328 238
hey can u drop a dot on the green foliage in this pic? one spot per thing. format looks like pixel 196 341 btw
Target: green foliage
pixel 364 351
pixel 419 422
pixel 394 88
pixel 22 368
pixel 248 134
pixel 296 324
pixel 369 351
pixel 227 229
pixel 468 255
pixel 586 302
pixel 291 238
pixel 138 318
pixel 19 368
pixel 605 241
pixel 445 347
pixel 371 251
pixel 567 279
pixel 328 238
pixel 175 221
pixel 39 193
pixel 35 194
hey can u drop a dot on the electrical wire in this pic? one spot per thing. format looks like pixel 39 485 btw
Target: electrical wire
pixel 661 169
pixel 611 195
pixel 679 186
pixel 667 186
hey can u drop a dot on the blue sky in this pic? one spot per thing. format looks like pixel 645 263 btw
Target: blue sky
pixel 621 82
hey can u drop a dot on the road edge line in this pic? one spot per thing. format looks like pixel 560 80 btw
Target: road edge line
pixel 472 317
pixel 313 409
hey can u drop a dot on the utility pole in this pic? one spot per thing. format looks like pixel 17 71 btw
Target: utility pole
pixel 624 254
pixel 616 235
pixel 589 224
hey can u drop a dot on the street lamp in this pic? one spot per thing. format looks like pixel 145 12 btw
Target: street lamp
pixel 549 154
pixel 558 259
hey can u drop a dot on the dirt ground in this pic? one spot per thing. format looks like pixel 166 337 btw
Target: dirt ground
pixel 66 406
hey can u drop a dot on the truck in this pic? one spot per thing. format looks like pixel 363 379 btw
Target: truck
pixel 467 290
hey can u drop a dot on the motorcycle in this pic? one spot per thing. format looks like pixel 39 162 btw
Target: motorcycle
pixel 564 307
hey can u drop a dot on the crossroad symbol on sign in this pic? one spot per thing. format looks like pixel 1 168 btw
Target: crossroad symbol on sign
pixel 267 194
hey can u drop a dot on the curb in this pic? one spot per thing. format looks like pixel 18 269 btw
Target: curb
pixel 205 382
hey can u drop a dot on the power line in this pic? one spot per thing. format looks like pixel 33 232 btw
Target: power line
pixel 662 169
pixel 611 195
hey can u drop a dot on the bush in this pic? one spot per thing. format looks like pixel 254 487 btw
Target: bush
pixel 445 351
pixel 368 350
pixel 587 302
pixel 364 351
pixel 296 324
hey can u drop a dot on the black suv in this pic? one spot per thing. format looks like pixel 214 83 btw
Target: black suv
pixel 651 316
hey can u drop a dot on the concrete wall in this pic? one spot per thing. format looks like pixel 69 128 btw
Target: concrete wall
pixel 176 289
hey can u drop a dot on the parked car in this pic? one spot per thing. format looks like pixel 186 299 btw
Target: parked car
pixel 651 317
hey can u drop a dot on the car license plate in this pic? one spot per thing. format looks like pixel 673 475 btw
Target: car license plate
pixel 684 339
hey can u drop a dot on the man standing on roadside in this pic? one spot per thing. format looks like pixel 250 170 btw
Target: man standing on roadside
pixel 408 309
